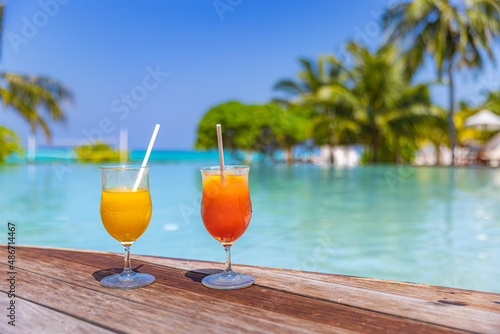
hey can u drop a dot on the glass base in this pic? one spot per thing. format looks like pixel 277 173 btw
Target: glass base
pixel 127 280
pixel 228 280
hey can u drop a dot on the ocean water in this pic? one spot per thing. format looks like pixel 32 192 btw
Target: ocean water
pixel 418 224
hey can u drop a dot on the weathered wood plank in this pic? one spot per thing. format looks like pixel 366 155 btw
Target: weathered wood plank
pixel 178 302
pixel 116 313
pixel 469 310
pixel 33 318
pixel 477 299
pixel 425 310
pixel 317 309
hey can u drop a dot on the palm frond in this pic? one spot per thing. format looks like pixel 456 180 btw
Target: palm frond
pixel 32 96
pixel 288 86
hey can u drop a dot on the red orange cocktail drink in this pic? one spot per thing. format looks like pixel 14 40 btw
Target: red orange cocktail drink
pixel 226 210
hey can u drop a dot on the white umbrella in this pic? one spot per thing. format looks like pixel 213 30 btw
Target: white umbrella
pixel 484 120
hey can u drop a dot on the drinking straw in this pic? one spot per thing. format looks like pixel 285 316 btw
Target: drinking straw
pixel 145 161
pixel 221 154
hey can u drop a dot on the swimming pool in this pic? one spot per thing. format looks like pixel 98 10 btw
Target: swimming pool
pixel 419 224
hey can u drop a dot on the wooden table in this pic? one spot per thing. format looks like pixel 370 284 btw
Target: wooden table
pixel 58 290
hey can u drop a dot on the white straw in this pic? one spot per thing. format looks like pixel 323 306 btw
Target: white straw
pixel 145 161
pixel 221 154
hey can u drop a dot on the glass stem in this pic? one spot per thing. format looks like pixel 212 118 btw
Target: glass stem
pixel 127 270
pixel 228 258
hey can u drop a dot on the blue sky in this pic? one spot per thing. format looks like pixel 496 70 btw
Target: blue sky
pixel 136 63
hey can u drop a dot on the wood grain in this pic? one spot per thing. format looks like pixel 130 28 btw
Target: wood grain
pixel 428 310
pixel 33 318
pixel 178 302
pixel 62 287
pixel 315 309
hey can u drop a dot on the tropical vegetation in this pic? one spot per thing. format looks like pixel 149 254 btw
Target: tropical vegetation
pixel 373 103
pixel 96 152
pixel 261 128
pixel 35 99
pixel 372 97
pixel 388 108
pixel 9 143
pixel 456 34
pixel 313 89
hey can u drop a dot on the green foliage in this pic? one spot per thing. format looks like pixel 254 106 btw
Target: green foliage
pixel 9 143
pixel 320 87
pixel 492 102
pixel 262 128
pixel 392 150
pixel 96 152
pixel 313 78
pixel 290 125
pixel 238 127
pixel 455 33
pixel 380 107
pixel 334 130
pixel 36 99
pixel 372 102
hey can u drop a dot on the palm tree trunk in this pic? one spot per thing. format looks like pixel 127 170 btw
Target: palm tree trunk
pixel 332 156
pixel 331 145
pixel 396 150
pixel 289 155
pixel 374 149
pixel 437 149
pixel 451 121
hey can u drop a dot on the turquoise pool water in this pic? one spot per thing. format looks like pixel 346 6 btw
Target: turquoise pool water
pixel 428 225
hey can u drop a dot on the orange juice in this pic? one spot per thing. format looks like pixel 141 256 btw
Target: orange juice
pixel 226 208
pixel 126 214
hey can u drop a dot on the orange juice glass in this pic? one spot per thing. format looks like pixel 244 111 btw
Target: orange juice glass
pixel 226 210
pixel 125 214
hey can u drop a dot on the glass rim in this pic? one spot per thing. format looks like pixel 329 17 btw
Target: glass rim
pixel 124 167
pixel 226 167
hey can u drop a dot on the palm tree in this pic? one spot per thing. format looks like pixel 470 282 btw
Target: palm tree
pixel 313 90
pixel 312 78
pixel 387 107
pixel 36 99
pixel 434 131
pixel 454 33
pixel 493 102
pixel 28 95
